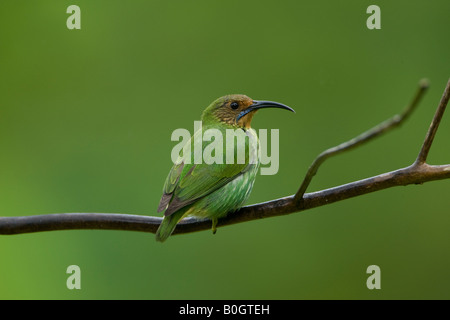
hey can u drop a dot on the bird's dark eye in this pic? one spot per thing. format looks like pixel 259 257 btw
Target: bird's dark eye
pixel 234 105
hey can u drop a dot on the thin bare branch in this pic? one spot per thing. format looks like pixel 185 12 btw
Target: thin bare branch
pixel 419 172
pixel 415 174
pixel 422 157
pixel 365 137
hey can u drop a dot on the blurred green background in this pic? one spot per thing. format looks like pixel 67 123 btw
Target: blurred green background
pixel 86 118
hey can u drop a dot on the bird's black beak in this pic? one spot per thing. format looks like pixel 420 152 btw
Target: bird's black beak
pixel 263 104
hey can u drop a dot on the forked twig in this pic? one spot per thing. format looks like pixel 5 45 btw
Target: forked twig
pixel 419 172
pixel 365 137
pixel 423 154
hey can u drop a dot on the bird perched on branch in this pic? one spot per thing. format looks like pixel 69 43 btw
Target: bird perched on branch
pixel 222 182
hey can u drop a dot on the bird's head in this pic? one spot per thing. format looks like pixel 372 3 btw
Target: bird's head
pixel 238 109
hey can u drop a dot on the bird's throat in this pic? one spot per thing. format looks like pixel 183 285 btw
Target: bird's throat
pixel 245 121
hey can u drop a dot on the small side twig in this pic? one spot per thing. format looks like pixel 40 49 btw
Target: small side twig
pixel 423 154
pixel 365 137
pixel 417 173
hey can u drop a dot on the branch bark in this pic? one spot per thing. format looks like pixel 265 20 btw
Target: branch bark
pixel 417 173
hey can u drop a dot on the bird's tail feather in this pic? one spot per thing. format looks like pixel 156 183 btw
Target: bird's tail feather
pixel 168 225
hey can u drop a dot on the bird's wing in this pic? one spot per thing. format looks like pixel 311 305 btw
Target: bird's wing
pixel 170 185
pixel 194 182
pixel 188 182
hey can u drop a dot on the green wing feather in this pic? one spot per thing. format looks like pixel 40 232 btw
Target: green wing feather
pixel 188 182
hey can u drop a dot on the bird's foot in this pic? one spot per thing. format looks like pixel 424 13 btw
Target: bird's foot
pixel 214 225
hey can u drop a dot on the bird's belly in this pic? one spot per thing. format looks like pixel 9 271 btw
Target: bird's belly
pixel 226 199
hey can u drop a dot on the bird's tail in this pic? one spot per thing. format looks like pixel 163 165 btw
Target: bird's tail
pixel 168 225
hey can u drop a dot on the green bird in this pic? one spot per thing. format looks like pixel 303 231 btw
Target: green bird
pixel 213 189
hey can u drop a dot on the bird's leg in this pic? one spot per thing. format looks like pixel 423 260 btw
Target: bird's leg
pixel 214 225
